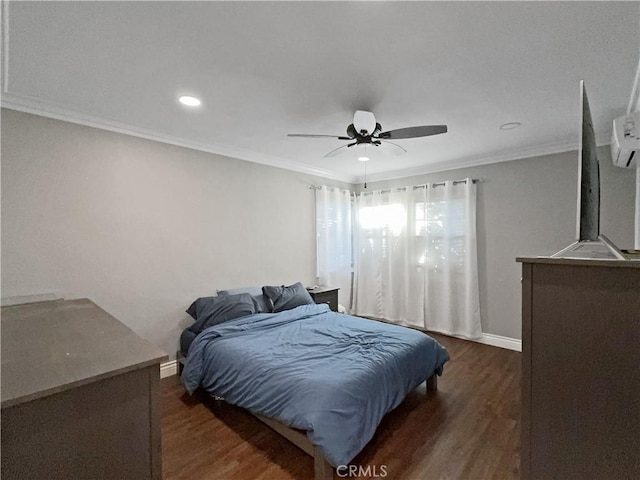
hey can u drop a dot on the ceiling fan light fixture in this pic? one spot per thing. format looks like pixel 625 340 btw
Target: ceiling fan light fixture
pixel 189 101
pixel 364 122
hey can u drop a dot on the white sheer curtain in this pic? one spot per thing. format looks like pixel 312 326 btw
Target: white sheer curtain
pixel 334 240
pixel 416 257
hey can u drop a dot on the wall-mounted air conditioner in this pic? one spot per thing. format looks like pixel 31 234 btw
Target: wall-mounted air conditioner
pixel 625 140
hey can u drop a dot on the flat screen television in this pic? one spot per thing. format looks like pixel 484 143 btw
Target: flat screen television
pixel 590 243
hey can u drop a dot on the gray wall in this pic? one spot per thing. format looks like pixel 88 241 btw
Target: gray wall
pixel 143 228
pixel 528 208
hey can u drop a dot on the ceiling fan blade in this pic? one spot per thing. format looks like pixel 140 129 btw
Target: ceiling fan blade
pixel 338 150
pixel 392 148
pixel 413 132
pixel 305 135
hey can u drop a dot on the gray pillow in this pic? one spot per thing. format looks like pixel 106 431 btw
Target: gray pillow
pixel 263 304
pixel 253 291
pixel 286 298
pixel 209 311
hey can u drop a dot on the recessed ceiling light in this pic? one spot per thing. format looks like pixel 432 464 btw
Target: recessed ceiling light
pixel 510 125
pixel 363 159
pixel 189 101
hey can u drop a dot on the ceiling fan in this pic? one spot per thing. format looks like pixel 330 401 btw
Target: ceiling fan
pixel 366 131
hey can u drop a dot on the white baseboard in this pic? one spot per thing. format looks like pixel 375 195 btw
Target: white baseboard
pixel 500 341
pixel 168 368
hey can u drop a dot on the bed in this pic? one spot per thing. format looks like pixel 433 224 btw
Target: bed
pixel 322 379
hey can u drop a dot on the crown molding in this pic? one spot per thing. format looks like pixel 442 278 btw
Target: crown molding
pixel 46 109
pixel 478 160
pixel 50 110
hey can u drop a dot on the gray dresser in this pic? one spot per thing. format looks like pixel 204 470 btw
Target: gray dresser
pixel 580 369
pixel 80 395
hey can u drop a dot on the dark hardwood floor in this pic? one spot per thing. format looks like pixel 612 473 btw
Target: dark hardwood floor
pixel 469 429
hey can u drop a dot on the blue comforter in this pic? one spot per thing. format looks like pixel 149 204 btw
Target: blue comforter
pixel 330 374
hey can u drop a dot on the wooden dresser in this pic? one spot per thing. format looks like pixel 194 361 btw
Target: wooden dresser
pixel 580 369
pixel 80 395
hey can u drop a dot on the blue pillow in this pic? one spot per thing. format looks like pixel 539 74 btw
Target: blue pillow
pixel 209 311
pixel 263 304
pixel 286 298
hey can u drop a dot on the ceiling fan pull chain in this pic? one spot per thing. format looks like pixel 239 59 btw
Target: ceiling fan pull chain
pixel 365 175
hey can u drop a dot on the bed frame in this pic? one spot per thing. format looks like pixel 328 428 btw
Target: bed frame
pixel 322 469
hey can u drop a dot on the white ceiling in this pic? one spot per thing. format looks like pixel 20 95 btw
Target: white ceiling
pixel 265 69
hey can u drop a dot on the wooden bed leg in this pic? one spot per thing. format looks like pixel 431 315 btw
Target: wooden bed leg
pixel 432 383
pixel 323 470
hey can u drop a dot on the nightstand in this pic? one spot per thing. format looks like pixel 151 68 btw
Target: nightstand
pixel 328 295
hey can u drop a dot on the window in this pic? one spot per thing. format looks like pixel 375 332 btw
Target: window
pixel 442 224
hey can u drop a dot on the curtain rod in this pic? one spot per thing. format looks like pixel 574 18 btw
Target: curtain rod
pixel 425 185
pixel 455 182
pixel 415 187
pixel 331 189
